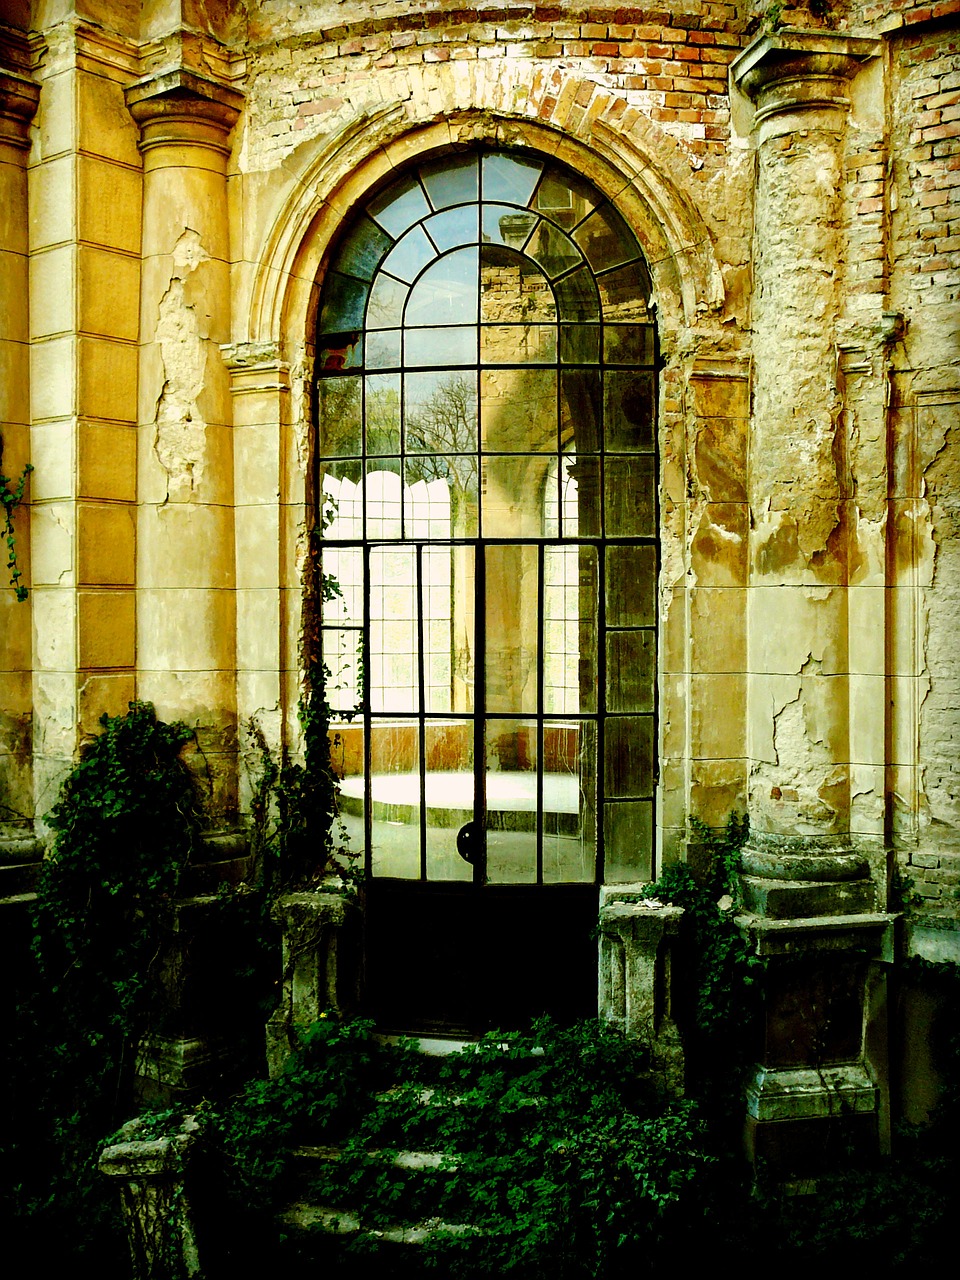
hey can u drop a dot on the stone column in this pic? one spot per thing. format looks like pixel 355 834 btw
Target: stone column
pixel 18 849
pixel 186 606
pixel 810 898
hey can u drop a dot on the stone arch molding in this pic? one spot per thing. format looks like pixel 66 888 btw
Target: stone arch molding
pixel 626 156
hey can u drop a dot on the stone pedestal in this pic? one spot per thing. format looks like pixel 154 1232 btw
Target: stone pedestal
pixel 151 1175
pixel 321 967
pixel 636 975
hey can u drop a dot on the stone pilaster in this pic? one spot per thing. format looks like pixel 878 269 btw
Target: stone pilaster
pixel 186 578
pixel 19 97
pixel 812 873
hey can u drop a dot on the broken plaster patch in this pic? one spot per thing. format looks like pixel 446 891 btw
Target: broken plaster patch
pixel 181 430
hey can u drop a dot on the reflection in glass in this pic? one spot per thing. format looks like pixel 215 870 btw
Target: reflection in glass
pixel 392 666
pixel 513 289
pixel 512 628
pixel 625 293
pixel 569 801
pixel 382 412
pixel 509 486
pixel 628 842
pixel 441 412
pixel 458 474
pixel 339 413
pixel 454 227
pixel 456 344
pixel 577 297
pixel 510 178
pixel 506 225
pixel 341 650
pixel 410 255
pixel 518 410
pixel 579 343
pixel 385 309
pixel 343 302
pixel 518 344
pixel 383 349
pixel 346 760
pixel 630 670
pixel 628 758
pixel 452 180
pixel 553 249
pixel 446 293
pixel 580 409
pixel 511 801
pixel 400 206
pixel 394 798
pixel 605 239
pixel 628 344
pixel 362 250
pixel 450 792
pixel 629 414
pixel 629 491
pixel 631 586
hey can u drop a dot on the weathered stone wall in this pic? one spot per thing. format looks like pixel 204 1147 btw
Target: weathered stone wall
pixel 810 564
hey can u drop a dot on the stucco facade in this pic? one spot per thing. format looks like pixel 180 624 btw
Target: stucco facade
pixel 174 178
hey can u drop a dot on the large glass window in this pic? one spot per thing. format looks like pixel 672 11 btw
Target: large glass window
pixel 485 396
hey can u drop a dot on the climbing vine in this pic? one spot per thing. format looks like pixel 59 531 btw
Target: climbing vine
pixel 11 498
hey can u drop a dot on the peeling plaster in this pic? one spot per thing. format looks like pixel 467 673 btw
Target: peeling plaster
pixel 179 443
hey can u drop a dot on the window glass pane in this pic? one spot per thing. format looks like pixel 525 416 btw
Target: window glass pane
pixel 512 288
pixel 382 408
pixel 628 344
pixel 577 297
pixel 456 344
pixel 569 801
pixel 518 410
pixel 510 178
pixel 342 501
pixel 385 308
pixel 628 842
pixel 628 756
pixel 565 197
pixel 454 227
pixel 580 409
pixel 511 795
pixel 441 412
pixel 394 798
pixel 384 499
pixel 506 225
pixel 410 255
pixel 629 492
pixel 340 351
pixel 342 648
pixel 346 760
pixel 518 344
pixel 446 293
pixel 400 206
pixel 452 180
pixel 570 628
pixel 629 411
pixel 511 501
pixel 338 402
pixel 459 475
pixel 583 519
pixel 362 250
pixel 579 343
pixel 605 239
pixel 625 293
pixel 630 586
pixel 512 617
pixel 630 670
pixel 344 300
pixel 392 654
pixel 553 249
pixel 450 793
pixel 343 569
pixel 383 349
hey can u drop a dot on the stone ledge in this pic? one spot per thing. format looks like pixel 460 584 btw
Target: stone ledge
pixel 804 1093
pixel 870 932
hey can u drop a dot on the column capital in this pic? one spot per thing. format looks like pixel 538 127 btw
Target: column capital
pixel 177 106
pixel 794 70
pixel 19 96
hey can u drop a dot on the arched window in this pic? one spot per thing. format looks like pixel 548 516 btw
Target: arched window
pixel 485 397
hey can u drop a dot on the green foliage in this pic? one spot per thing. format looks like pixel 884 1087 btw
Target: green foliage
pixel 723 976
pixel 125 824
pixel 559 1150
pixel 11 498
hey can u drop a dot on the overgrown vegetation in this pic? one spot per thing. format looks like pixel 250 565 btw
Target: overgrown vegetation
pixel 10 499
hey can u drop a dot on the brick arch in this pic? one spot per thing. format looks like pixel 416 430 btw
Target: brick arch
pixel 625 155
